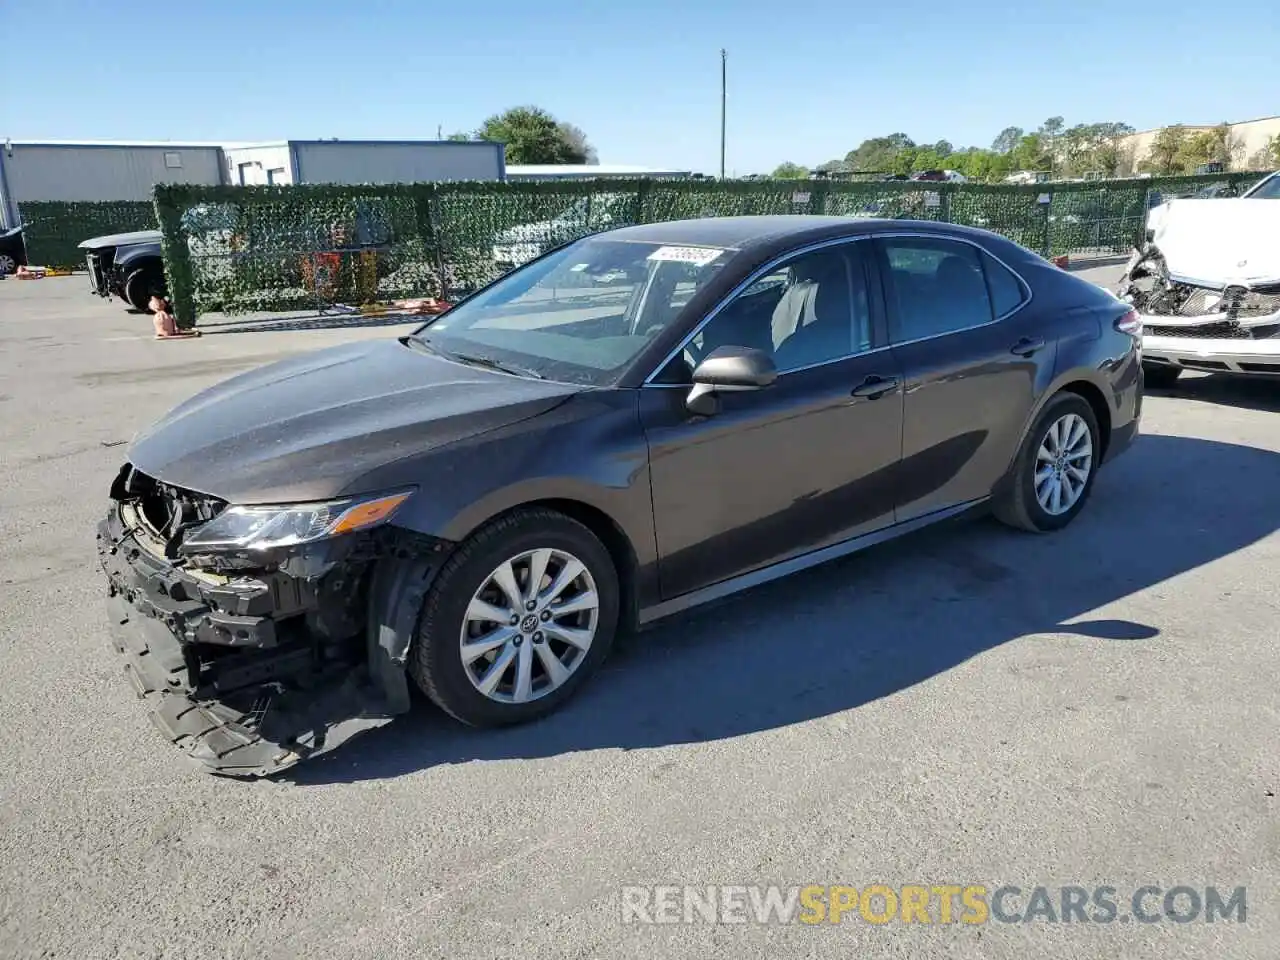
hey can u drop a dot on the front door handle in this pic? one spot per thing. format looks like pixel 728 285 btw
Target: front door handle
pixel 1027 346
pixel 875 387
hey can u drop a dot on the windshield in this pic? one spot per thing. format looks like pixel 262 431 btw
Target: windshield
pixel 581 314
pixel 1268 189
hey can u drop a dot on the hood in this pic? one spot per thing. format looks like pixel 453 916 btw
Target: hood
pixel 308 428
pixel 121 239
pixel 1219 242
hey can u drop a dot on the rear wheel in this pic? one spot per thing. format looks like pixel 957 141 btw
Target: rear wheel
pixel 143 284
pixel 518 618
pixel 1160 376
pixel 7 264
pixel 1053 474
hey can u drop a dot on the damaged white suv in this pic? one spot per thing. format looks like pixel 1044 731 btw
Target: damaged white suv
pixel 1207 285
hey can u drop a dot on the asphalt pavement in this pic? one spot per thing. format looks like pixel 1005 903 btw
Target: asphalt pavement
pixel 968 706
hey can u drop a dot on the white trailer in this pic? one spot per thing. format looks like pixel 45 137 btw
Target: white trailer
pixel 363 161
pixel 66 170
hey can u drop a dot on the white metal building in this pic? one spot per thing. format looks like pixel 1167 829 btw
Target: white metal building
pixel 32 170
pixel 362 161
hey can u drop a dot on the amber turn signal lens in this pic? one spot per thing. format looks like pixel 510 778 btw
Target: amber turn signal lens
pixel 368 513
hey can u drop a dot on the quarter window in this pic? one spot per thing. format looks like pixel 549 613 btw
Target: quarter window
pixel 936 286
pixel 1007 293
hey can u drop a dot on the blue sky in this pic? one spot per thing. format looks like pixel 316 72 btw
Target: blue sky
pixel 807 81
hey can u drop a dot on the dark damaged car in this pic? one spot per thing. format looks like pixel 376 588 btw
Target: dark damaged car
pixel 631 425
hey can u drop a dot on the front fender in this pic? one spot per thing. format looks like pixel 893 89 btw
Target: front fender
pixel 129 258
pixel 590 451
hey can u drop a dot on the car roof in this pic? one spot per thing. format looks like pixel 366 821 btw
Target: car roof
pixel 779 230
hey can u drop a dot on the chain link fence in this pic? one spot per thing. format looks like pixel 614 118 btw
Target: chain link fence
pixel 238 249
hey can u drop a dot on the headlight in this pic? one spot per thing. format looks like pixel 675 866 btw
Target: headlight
pixel 265 528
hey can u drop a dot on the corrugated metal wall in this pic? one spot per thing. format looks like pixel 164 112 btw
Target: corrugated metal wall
pixel 49 172
pixel 390 162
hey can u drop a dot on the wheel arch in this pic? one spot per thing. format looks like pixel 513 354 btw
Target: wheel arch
pixel 607 530
pixel 1089 391
pixel 140 259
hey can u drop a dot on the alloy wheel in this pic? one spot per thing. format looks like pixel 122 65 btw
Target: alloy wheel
pixel 1063 464
pixel 7 264
pixel 529 626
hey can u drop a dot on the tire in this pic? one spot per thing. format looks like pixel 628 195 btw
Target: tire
pixel 1017 503
pixel 436 660
pixel 8 265
pixel 1160 376
pixel 141 285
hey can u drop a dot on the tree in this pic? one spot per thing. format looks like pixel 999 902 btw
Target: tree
pixel 943 148
pixel 878 154
pixel 1052 127
pixel 790 171
pixel 459 136
pixel 926 158
pixel 532 135
pixel 1029 154
pixel 578 139
pixel 1163 156
pixel 1007 139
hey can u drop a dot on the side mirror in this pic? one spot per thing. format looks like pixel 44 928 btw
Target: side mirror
pixel 729 369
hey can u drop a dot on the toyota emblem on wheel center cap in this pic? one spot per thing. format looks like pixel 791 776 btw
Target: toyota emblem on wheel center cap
pixel 529 623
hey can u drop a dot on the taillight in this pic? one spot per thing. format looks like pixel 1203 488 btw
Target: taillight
pixel 1130 323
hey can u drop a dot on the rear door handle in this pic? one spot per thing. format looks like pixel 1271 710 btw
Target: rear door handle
pixel 1027 346
pixel 875 387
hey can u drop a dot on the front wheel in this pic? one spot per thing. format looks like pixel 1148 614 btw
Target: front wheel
pixel 517 620
pixel 143 284
pixel 1053 474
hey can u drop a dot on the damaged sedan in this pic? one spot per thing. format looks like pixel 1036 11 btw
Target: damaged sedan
pixel 631 425
pixel 1206 283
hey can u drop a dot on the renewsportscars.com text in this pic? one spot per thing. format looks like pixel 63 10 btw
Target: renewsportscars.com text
pixel 936 903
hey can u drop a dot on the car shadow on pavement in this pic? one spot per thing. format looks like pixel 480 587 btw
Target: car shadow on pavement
pixel 1224 389
pixel 862 628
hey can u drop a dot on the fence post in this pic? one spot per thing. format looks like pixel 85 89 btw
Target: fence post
pixel 1046 245
pixel 642 195
pixel 944 214
pixel 169 201
pixel 426 204
pixel 818 198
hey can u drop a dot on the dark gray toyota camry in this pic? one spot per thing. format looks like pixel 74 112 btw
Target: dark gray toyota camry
pixel 633 424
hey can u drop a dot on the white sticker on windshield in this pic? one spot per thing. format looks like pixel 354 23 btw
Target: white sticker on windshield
pixel 698 256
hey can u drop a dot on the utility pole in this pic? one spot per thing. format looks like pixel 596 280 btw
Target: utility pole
pixel 439 131
pixel 724 77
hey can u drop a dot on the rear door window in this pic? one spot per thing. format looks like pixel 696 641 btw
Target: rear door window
pixel 934 287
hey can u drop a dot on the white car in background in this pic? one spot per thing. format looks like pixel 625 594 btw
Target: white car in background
pixel 1207 285
pixel 589 214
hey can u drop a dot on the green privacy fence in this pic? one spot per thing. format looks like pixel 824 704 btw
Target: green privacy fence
pixel 53 230
pixel 237 249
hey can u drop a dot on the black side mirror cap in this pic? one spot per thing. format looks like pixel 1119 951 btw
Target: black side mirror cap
pixel 729 369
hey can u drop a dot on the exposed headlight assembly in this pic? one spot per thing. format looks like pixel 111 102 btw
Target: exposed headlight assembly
pixel 270 527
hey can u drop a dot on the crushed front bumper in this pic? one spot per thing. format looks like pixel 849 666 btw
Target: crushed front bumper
pixel 241 671
pixel 1229 341
pixel 1227 328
